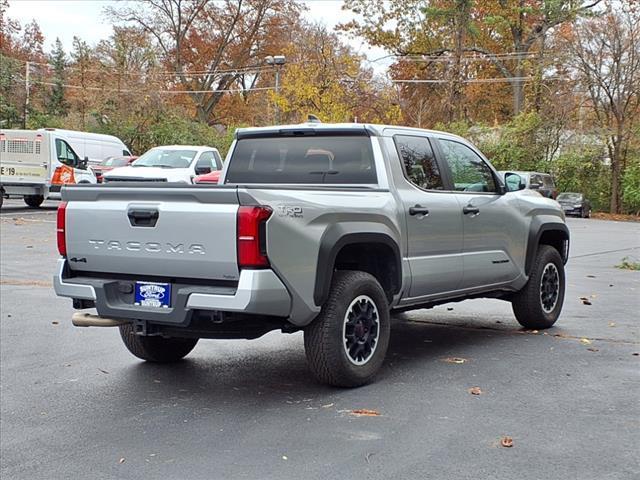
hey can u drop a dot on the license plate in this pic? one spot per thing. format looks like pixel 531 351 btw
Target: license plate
pixel 153 294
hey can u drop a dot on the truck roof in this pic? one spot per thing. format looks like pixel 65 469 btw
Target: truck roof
pixel 369 129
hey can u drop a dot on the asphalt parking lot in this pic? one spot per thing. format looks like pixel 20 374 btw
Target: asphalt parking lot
pixel 76 404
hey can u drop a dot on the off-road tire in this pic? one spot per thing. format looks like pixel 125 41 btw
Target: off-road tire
pixel 156 349
pixel 33 201
pixel 324 338
pixel 527 304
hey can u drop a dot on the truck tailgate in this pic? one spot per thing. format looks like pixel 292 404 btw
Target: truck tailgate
pixel 169 231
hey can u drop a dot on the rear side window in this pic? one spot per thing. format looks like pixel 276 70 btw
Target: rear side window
pixel 303 160
pixel 419 162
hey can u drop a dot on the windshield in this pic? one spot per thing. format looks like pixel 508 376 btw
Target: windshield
pixel 158 157
pixel 572 197
pixel 115 162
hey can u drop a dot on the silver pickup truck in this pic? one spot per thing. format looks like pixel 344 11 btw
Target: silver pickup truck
pixel 325 228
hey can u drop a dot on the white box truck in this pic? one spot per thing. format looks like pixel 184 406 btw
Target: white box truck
pixel 34 164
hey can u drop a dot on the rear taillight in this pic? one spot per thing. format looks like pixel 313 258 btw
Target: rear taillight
pixel 252 250
pixel 62 240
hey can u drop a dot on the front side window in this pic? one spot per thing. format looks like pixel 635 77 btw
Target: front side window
pixel 65 153
pixel 547 181
pixel 166 158
pixel 313 159
pixel 419 162
pixel 205 162
pixel 469 171
pixel 218 159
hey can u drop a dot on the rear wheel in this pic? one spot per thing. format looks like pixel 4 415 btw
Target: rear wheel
pixel 34 201
pixel 346 344
pixel 539 303
pixel 156 349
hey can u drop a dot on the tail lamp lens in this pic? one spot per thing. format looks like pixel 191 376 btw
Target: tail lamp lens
pixel 252 237
pixel 60 224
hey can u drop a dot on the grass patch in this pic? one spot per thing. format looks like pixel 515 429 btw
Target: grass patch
pixel 628 264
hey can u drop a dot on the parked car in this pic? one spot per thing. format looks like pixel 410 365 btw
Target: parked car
pixel 543 183
pixel 34 164
pixel 575 204
pixel 110 163
pixel 321 228
pixel 174 163
pixel 212 177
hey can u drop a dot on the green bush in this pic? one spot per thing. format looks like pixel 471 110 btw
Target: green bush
pixel 631 187
pixel 583 171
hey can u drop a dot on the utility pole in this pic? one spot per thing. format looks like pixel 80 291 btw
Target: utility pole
pixel 277 61
pixel 26 97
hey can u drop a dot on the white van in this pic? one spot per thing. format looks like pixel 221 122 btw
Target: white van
pixel 172 163
pixel 94 147
pixel 34 164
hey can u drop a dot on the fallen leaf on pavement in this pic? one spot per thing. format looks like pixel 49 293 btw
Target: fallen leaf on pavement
pixel 591 276
pixel 457 360
pixel 593 349
pixel 121 460
pixel 636 354
pixel 585 341
pixel 612 324
pixel 284 457
pixel 506 442
pixel 103 371
pixel 364 412
pixel 585 300
pixel 328 405
pixel 475 391
pixel 55 323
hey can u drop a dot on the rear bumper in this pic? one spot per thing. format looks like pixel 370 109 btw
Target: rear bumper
pixel 258 292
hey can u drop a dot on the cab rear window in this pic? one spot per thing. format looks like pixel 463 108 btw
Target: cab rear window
pixel 303 160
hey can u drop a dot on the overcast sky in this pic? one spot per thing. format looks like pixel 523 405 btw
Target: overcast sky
pixel 85 19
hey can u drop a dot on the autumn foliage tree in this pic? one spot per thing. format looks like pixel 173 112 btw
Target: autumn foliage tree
pixel 209 43
pixel 605 52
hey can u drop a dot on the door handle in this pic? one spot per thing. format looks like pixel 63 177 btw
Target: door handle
pixel 143 218
pixel 469 209
pixel 418 210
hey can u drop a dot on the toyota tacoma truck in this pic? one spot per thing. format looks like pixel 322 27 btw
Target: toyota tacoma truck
pixel 323 228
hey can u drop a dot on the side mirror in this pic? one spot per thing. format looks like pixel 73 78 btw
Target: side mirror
pixel 514 182
pixel 82 164
pixel 203 170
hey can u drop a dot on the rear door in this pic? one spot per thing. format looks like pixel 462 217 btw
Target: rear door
pixel 492 224
pixel 434 220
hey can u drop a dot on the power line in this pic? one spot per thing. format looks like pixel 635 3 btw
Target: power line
pixel 163 92
pixel 481 80
pixel 238 71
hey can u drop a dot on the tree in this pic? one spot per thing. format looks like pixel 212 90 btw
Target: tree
pixel 605 52
pixel 56 104
pixel 208 44
pixel 82 56
pixel 504 32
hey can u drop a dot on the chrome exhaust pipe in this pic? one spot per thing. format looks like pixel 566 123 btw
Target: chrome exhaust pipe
pixel 88 320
